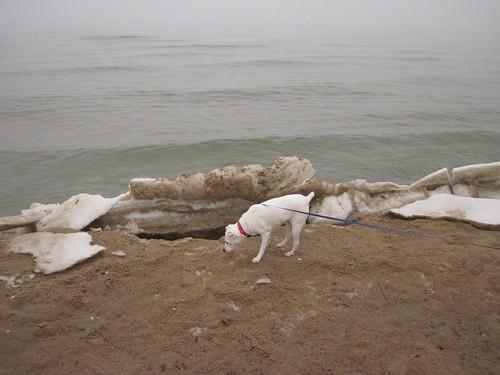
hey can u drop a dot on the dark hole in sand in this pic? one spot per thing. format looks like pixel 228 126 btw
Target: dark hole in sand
pixel 208 234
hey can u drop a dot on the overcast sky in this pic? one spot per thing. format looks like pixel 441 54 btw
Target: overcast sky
pixel 448 18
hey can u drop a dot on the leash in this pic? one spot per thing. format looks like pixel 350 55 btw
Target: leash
pixel 401 232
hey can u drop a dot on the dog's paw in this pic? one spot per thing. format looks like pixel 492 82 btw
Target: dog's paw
pixel 256 260
pixel 280 245
pixel 289 254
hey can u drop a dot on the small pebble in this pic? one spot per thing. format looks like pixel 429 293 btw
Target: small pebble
pixel 263 280
pixel 118 253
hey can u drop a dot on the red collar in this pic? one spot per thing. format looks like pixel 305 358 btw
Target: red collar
pixel 240 228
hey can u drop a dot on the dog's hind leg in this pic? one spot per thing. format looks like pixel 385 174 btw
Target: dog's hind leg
pixel 263 245
pixel 296 229
pixel 288 235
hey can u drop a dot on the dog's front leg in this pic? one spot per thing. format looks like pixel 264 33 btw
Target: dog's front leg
pixel 263 245
pixel 288 235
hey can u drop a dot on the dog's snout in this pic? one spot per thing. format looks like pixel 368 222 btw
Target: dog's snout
pixel 224 250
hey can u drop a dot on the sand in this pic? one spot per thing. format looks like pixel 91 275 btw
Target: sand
pixel 351 301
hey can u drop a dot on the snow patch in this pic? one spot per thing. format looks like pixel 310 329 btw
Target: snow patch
pixel 133 228
pixel 476 210
pixel 55 252
pixel 9 280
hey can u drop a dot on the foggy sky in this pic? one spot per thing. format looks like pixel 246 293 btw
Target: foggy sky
pixel 446 18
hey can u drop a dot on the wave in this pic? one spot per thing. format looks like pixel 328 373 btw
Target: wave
pixel 264 94
pixel 200 46
pixel 256 149
pixel 80 69
pixel 118 37
pixel 51 176
pixel 272 93
pixel 267 62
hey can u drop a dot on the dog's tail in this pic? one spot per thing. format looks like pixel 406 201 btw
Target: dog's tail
pixel 310 196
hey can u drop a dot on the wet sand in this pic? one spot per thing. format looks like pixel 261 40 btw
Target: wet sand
pixel 351 301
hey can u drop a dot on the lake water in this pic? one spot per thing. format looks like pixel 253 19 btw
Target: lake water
pixel 86 113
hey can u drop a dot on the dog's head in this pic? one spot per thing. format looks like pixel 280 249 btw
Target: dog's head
pixel 232 238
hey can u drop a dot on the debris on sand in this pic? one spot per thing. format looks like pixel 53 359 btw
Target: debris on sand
pixel 14 281
pixel 197 331
pixel 234 306
pixel 352 295
pixel 263 280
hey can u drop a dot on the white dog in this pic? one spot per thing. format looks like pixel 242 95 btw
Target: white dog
pixel 264 217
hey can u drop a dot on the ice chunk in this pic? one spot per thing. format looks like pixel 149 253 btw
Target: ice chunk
pixel 464 190
pixel 15 222
pixel 368 204
pixel 339 207
pixel 477 180
pixel 55 252
pixel 434 180
pixel 39 209
pixel 477 173
pixel 141 179
pixel 252 182
pixel 476 210
pixel 77 212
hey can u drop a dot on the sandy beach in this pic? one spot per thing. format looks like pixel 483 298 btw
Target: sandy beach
pixel 352 301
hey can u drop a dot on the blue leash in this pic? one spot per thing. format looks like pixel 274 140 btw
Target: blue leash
pixel 402 232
